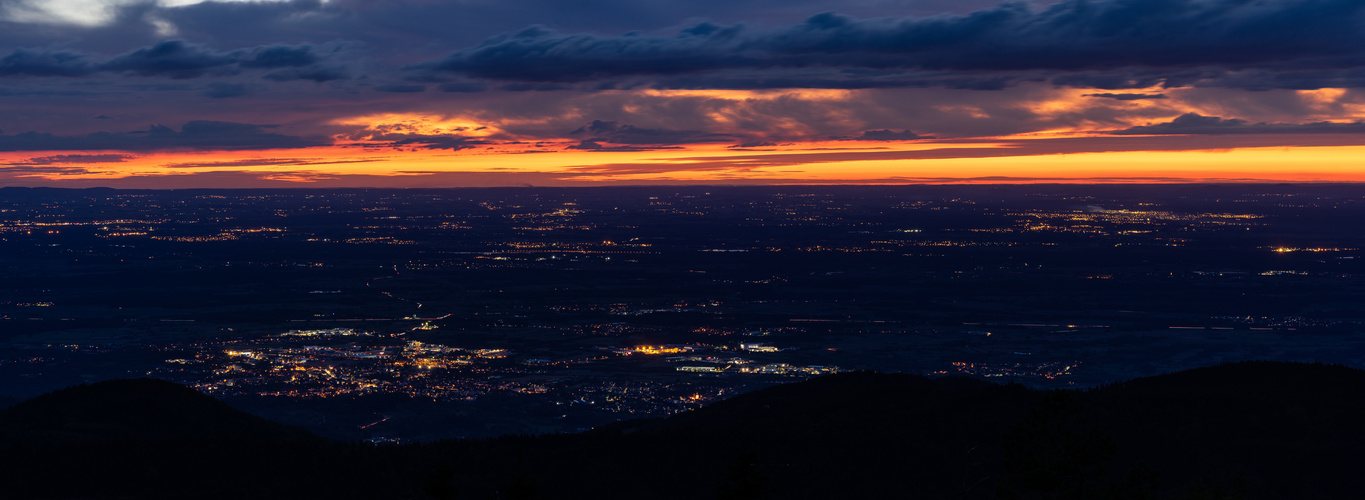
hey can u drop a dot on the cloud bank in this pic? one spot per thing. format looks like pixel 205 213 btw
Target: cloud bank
pixel 1104 44
pixel 176 59
pixel 196 135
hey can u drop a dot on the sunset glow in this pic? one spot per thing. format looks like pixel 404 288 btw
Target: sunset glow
pixel 344 166
pixel 183 101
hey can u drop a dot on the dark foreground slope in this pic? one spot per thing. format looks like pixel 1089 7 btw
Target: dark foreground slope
pixel 134 409
pixel 1248 430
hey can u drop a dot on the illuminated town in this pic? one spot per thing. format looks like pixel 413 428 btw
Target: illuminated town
pixel 422 314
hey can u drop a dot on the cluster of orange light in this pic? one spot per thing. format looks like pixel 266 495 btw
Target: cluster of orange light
pixel 1319 249
pixel 660 349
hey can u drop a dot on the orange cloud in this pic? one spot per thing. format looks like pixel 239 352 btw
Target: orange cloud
pixel 1288 158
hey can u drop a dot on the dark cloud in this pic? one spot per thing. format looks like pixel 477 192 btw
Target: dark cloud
pixel 462 23
pixel 590 145
pixel 422 141
pixel 452 143
pixel 1127 43
pixel 1111 44
pixel 278 56
pixel 1127 97
pixel 195 135
pixel 1192 123
pixel 597 127
pixel 464 87
pixel 316 74
pixel 752 144
pixel 219 90
pixel 617 133
pixel 404 135
pixel 172 59
pixel 267 162
pixel 887 135
pixel 175 59
pixel 23 62
pixel 41 91
pixel 75 158
pixel 766 78
pixel 542 87
pixel 11 171
pixel 538 54
pixel 401 89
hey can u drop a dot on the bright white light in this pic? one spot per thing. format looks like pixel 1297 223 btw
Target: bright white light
pixel 87 12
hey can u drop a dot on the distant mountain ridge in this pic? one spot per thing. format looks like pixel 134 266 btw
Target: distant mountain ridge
pixel 1244 430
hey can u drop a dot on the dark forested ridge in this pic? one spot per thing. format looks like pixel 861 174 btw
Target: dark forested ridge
pixel 134 409
pixel 1246 430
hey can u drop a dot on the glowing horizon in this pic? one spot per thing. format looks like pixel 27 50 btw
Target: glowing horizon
pixel 333 166
pixel 166 94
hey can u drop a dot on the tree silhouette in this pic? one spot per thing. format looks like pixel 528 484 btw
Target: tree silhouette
pixel 520 486
pixel 441 485
pixel 742 480
pixel 1056 454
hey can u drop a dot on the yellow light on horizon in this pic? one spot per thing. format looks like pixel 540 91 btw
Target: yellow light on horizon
pixel 810 163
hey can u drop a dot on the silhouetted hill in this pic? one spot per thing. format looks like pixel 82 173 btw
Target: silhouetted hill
pixel 1287 430
pixel 134 409
pixel 1246 430
pixel 864 397
pixel 867 434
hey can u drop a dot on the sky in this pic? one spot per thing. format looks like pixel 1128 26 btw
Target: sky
pixel 451 93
